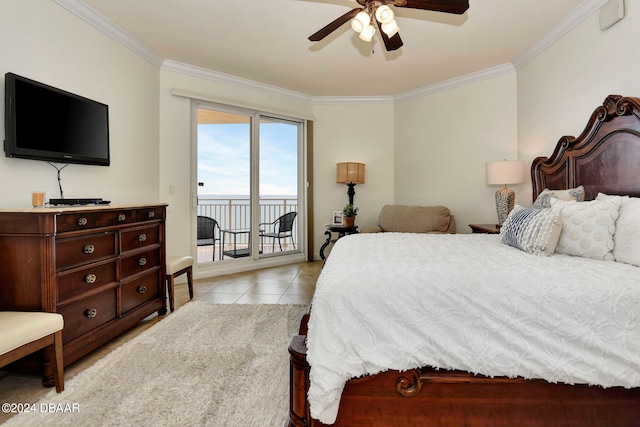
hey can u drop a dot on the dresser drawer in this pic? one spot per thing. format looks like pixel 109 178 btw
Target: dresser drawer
pixel 87 314
pixel 74 284
pixel 83 250
pixel 139 291
pixel 150 214
pixel 140 262
pixel 139 237
pixel 75 221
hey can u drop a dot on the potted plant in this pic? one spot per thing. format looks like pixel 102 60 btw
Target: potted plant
pixel 349 213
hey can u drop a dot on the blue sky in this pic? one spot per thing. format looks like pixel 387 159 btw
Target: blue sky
pixel 223 159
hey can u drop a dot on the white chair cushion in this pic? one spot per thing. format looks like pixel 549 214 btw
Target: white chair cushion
pixel 177 263
pixel 18 328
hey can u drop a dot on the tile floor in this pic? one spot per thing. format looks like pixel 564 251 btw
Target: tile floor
pixel 289 284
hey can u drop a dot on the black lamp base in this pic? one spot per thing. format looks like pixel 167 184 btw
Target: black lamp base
pixel 351 192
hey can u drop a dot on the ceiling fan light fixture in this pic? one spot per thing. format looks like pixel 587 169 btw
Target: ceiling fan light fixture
pixel 367 33
pixel 360 22
pixel 384 14
pixel 390 28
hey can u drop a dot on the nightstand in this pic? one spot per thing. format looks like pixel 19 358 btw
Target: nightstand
pixel 342 231
pixel 485 228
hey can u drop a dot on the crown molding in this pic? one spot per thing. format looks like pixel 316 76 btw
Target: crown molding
pixel 349 100
pixel 217 76
pixel 489 73
pixel 579 14
pixel 92 17
pixel 88 14
pixel 230 79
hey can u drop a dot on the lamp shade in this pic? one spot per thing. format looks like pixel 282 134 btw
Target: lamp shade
pixel 505 172
pixel 390 28
pixel 367 33
pixel 384 14
pixel 360 22
pixel 349 172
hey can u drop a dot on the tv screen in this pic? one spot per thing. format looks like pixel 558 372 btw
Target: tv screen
pixel 45 123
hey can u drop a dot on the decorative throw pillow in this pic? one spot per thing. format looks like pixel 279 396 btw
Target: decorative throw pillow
pixel 535 231
pixel 544 198
pixel 588 228
pixel 627 237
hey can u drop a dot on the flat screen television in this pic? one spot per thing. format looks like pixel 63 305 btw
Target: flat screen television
pixel 46 123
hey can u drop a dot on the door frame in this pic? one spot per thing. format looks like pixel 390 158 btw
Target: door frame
pixel 305 234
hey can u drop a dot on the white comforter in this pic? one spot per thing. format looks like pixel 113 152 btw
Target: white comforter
pixel 468 302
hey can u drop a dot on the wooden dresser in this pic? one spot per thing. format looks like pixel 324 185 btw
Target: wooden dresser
pixel 101 267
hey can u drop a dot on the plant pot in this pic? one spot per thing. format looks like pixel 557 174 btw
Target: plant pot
pixel 349 221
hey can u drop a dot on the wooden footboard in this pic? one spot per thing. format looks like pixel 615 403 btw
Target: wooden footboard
pixel 427 397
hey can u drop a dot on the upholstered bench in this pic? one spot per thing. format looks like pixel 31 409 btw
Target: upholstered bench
pixel 24 332
pixel 177 265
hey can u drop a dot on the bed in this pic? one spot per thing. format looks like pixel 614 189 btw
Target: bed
pixel 474 330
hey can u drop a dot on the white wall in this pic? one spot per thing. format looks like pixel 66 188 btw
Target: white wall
pixel 443 141
pixel 352 132
pixel 559 89
pixel 343 131
pixel 41 40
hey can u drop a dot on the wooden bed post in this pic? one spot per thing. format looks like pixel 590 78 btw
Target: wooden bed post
pixel 298 383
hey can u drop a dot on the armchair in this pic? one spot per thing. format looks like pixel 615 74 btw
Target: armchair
pixel 207 234
pixel 413 219
pixel 280 229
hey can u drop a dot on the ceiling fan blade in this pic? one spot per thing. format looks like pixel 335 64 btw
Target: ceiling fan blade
pixel 448 6
pixel 325 31
pixel 390 43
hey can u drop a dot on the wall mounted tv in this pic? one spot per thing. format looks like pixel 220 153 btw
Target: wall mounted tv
pixel 46 123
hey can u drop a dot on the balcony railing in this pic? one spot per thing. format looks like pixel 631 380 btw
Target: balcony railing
pixel 235 212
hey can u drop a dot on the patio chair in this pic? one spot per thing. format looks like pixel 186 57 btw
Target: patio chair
pixel 280 229
pixel 207 234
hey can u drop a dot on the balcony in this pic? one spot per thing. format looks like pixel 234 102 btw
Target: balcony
pixel 234 213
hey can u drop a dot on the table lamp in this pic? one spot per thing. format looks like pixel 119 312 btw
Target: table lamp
pixel 350 173
pixel 504 173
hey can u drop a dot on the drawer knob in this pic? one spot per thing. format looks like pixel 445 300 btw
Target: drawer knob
pixel 90 278
pixel 142 262
pixel 152 214
pixel 142 289
pixel 91 313
pixel 82 221
pixel 142 237
pixel 88 249
pixel 122 217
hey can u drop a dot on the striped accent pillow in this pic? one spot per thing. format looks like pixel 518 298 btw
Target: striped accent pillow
pixel 535 231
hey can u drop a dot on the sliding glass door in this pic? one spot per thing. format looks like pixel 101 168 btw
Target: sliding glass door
pixel 279 144
pixel 248 185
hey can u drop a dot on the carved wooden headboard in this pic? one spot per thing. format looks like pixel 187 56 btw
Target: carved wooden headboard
pixel 604 158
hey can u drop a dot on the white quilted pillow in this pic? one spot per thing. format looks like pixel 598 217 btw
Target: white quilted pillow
pixel 627 237
pixel 588 228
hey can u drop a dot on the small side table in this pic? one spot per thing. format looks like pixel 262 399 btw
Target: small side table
pixel 341 230
pixel 485 228
pixel 235 252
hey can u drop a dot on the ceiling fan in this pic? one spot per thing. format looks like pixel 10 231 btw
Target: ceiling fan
pixel 378 13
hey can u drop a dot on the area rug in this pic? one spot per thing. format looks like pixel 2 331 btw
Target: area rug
pixel 203 365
